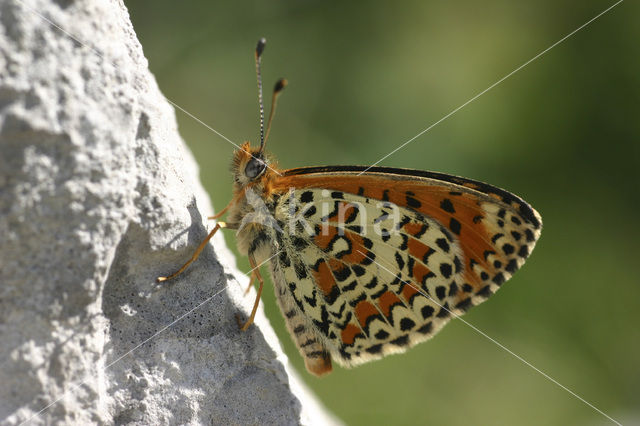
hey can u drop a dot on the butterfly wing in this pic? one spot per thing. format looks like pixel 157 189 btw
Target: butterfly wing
pixel 377 260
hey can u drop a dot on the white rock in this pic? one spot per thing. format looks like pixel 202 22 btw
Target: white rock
pixel 99 196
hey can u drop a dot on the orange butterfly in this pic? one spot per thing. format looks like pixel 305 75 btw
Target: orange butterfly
pixel 368 261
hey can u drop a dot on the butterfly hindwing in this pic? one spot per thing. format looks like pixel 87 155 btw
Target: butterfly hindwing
pixel 380 261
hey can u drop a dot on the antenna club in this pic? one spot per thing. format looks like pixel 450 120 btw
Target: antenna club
pixel 260 47
pixel 280 84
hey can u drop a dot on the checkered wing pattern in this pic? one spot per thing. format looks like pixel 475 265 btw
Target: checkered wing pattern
pixel 374 263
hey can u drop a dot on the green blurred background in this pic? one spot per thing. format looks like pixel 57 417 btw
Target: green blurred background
pixel 563 133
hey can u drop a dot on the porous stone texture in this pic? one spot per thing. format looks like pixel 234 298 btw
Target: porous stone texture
pixel 99 196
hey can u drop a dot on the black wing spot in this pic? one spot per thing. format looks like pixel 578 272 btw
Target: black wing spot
pixel 512 266
pixel 358 299
pixel 340 311
pixel 405 242
pixel 458 264
pixel 323 325
pixel 316 266
pixel 367 242
pixel 447 206
pixel 375 349
pixel 301 270
pixel 352 216
pixel 499 279
pixel 455 226
pixel 523 252
pixel 412 202
pixel 403 222
pixel 358 270
pixel 299 243
pixel 306 197
pixel 496 237
pixel 343 252
pixel 381 335
pixel 425 258
pixel 284 259
pixel 337 195
pixel 529 235
pixel 453 289
pixel 310 211
pixel 426 329
pixel 410 264
pixel 351 286
pixel 441 292
pixel 316 354
pixel 488 253
pixel 333 295
pixel 443 244
pixel 444 311
pixel 342 273
pixel 484 291
pixel 464 305
pixel 377 295
pixel 425 278
pixel 308 342
pixel 369 258
pixel 515 220
pixel 427 311
pixel 373 283
pixel 312 301
pixel 421 232
pixel 400 341
pixel 446 270
pixel 508 249
pixel 406 324
pixel 344 354
pixel 516 235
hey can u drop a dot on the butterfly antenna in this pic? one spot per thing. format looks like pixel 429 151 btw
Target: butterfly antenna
pixel 259 49
pixel 281 84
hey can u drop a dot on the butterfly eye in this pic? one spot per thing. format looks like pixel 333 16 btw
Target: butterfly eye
pixel 255 168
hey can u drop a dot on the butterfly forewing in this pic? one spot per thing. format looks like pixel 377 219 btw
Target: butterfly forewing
pixel 376 262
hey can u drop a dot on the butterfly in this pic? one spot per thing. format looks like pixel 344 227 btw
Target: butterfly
pixel 369 261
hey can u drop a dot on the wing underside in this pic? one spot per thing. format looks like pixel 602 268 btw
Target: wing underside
pixel 377 262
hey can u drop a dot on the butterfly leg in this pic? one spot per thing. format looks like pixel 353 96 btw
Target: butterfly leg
pixel 253 276
pixel 231 203
pixel 195 254
pixel 256 273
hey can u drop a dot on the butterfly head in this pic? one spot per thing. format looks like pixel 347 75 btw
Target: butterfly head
pixel 249 165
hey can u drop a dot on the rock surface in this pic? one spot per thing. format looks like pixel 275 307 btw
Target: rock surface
pixel 99 196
